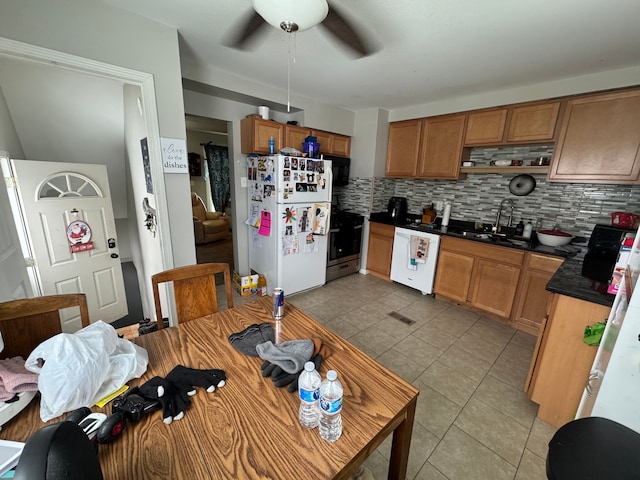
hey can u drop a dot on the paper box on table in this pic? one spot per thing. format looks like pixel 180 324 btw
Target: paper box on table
pixel 245 284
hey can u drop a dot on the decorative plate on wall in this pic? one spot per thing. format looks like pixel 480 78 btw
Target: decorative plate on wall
pixel 521 185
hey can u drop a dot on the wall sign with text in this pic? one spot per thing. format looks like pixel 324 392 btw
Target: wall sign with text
pixel 174 155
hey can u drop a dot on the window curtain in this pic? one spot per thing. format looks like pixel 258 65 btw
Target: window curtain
pixel 218 167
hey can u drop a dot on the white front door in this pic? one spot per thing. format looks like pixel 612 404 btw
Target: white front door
pixel 69 216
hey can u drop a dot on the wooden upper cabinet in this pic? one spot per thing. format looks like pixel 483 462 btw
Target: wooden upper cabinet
pixel 485 127
pixel 341 145
pixel 533 123
pixel 403 148
pixel 599 139
pixel 294 136
pixel 255 133
pixel 441 146
pixel 333 143
pixel 324 139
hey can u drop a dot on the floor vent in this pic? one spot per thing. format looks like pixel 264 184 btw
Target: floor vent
pixel 402 318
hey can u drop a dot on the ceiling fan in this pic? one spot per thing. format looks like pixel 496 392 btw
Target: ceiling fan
pixel 297 15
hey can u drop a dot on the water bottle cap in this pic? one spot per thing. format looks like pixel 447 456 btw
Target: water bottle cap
pixel 332 375
pixel 309 366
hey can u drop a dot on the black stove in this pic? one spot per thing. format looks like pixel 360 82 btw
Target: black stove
pixel 345 243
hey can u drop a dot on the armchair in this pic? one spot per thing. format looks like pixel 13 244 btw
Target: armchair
pixel 207 226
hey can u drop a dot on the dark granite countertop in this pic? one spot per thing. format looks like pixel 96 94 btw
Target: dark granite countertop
pixel 567 280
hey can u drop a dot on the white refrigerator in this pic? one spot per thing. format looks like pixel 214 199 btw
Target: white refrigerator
pixel 289 214
pixel 613 387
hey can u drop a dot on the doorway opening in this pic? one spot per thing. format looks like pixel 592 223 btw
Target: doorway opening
pixel 77 72
pixel 207 144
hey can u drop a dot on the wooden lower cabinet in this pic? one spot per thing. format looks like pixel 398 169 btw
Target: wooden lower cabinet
pixel 380 250
pixel 453 276
pixel 533 299
pixel 561 362
pixel 479 275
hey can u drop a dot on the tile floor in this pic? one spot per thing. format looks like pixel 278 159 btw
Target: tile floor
pixel 473 421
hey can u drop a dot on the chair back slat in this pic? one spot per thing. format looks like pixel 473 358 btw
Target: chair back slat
pixel 194 289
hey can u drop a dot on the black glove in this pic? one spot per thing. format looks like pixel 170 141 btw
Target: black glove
pixel 173 400
pixel 282 379
pixel 187 379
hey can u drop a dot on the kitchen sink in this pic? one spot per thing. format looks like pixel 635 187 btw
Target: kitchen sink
pixel 489 236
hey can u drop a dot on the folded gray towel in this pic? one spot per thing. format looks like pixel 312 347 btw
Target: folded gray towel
pixel 290 356
pixel 246 340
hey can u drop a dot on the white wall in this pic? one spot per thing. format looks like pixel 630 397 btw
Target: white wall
pixel 96 31
pixel 221 109
pixel 316 115
pixel 9 141
pixel 569 86
pixel 146 251
pixel 369 144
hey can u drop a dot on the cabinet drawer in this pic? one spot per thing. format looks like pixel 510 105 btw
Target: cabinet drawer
pixel 382 229
pixel 544 263
pixel 499 254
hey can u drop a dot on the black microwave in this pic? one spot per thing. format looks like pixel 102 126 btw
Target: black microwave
pixel 340 169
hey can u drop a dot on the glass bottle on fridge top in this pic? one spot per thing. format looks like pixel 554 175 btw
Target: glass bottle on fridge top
pixel 330 407
pixel 309 393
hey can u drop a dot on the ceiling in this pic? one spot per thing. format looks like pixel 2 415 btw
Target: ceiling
pixel 429 50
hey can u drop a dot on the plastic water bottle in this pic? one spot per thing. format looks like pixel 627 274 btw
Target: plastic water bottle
pixel 330 407
pixel 272 146
pixel 309 392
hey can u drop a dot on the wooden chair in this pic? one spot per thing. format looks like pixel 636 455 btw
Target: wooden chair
pixel 194 288
pixel 27 322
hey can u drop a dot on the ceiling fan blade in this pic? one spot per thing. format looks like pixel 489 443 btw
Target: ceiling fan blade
pixel 346 34
pixel 247 31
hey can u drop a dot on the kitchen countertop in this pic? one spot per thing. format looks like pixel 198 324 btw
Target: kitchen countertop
pixel 567 280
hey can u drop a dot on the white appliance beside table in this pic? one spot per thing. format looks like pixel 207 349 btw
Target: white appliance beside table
pixel 403 259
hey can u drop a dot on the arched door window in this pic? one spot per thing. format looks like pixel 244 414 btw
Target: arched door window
pixel 68 184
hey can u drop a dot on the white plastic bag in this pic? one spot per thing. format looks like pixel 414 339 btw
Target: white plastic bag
pixel 81 368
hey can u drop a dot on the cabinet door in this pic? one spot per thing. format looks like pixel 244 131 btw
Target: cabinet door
pixel 341 145
pixel 403 148
pixel 599 140
pixel 485 127
pixel 453 276
pixel 441 147
pixel 533 297
pixel 256 132
pixel 533 123
pixel 494 286
pixel 380 250
pixel 294 136
pixel 325 141
pixel 531 307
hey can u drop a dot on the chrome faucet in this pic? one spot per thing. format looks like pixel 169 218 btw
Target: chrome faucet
pixel 506 201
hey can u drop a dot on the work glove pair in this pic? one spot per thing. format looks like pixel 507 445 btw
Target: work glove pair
pixel 174 390
pixel 281 378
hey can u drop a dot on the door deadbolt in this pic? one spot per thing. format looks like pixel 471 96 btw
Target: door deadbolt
pixel 111 243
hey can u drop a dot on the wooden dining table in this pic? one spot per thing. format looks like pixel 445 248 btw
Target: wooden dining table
pixel 249 429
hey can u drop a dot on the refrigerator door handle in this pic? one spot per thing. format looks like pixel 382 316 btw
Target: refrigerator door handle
pixel 330 175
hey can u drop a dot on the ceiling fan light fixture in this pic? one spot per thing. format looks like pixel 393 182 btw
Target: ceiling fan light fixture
pixel 286 14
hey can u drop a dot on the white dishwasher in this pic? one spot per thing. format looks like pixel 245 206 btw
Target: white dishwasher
pixel 403 259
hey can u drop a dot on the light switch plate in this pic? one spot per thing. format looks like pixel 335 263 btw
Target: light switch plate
pixel 243 182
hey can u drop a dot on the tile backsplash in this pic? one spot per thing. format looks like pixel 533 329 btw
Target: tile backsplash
pixel 575 207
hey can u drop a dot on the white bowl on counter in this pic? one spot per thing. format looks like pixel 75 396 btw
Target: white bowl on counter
pixel 554 238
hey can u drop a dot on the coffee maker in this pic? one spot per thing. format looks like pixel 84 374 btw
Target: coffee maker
pixel 397 210
pixel 602 253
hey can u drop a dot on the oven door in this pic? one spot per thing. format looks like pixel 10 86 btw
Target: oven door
pixel 345 243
